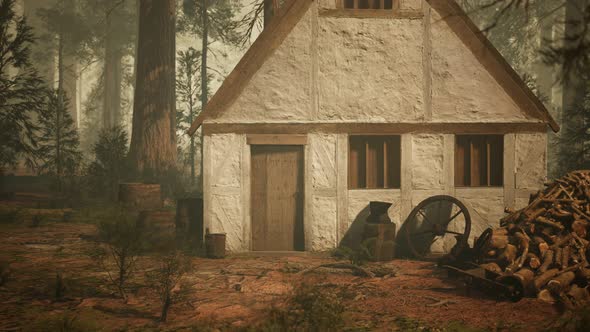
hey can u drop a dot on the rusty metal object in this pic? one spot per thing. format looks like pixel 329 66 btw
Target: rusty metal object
pixel 421 236
pixel 215 245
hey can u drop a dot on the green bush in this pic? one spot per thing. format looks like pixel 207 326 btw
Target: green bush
pixel 110 164
pixel 358 256
pixel 64 322
pixel 312 308
pixel 123 240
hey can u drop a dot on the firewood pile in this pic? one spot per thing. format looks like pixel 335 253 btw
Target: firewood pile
pixel 546 243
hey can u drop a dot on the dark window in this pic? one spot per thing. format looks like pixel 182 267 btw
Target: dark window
pixel 479 160
pixel 374 162
pixel 367 4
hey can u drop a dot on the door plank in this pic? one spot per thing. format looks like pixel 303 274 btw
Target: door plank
pixel 279 227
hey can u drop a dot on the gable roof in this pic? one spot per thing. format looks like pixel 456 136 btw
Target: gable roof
pixel 281 25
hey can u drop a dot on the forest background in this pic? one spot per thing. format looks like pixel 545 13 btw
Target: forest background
pixel 87 55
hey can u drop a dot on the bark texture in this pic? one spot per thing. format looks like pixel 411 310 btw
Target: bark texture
pixel 112 79
pixel 153 140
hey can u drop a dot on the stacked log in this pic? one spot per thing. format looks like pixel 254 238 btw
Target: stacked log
pixel 548 240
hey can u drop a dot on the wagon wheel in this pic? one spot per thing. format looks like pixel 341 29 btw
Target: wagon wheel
pixel 439 221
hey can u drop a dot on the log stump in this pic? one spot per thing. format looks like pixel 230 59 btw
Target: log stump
pixel 158 227
pixel 140 196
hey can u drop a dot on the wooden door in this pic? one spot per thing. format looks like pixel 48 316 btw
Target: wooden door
pixel 277 198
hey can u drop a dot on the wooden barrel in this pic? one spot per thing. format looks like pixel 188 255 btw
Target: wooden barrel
pixel 215 245
pixel 380 241
pixel 140 196
pixel 189 220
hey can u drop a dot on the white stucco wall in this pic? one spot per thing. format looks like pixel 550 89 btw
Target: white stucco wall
pixel 370 70
pixel 430 163
pixel 427 162
pixel 322 226
pixel 280 90
pixel 224 210
pixel 462 89
pixel 531 160
pixel 346 70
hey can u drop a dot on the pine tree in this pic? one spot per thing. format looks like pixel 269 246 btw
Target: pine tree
pixel 188 91
pixel 68 33
pixel 215 23
pixel 113 26
pixel 58 151
pixel 558 34
pixel 22 91
pixel 575 138
pixel 110 161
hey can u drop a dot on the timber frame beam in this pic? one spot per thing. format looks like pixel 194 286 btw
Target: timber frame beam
pixel 289 131
pixel 264 139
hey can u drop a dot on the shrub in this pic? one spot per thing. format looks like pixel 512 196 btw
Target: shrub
pixel 312 308
pixel 357 256
pixel 166 277
pixel 123 243
pixel 110 164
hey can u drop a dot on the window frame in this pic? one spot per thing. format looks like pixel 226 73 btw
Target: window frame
pixel 387 155
pixel 488 141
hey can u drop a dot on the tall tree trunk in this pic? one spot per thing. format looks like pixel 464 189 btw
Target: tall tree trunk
pixel 46 64
pixel 153 138
pixel 112 79
pixel 60 108
pixel 204 87
pixel 70 85
pixel 191 118
pixel 574 86
pixel 69 70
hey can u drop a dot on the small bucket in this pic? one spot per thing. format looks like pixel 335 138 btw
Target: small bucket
pixel 215 245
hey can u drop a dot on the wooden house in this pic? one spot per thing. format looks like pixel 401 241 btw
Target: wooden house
pixel 342 102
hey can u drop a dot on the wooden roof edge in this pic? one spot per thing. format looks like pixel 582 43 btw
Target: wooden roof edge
pixel 263 47
pixel 535 107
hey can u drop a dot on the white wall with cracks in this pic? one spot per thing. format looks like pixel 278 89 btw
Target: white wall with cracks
pixel 330 69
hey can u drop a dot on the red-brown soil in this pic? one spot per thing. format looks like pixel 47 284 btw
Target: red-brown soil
pixel 230 293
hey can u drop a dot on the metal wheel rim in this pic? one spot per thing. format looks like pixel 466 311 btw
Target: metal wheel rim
pixel 412 216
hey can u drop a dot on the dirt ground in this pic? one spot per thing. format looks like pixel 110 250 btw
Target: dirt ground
pixel 231 293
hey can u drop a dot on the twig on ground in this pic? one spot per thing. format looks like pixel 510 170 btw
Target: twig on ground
pixel 346 266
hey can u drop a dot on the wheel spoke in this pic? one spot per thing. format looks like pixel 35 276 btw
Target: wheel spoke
pixel 433 240
pixel 455 216
pixel 452 232
pixel 436 214
pixel 425 217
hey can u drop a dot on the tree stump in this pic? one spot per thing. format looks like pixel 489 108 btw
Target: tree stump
pixel 140 196
pixel 158 227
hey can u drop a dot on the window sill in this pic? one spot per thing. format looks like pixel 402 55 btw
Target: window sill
pixel 374 189
pixel 478 187
pixel 371 13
